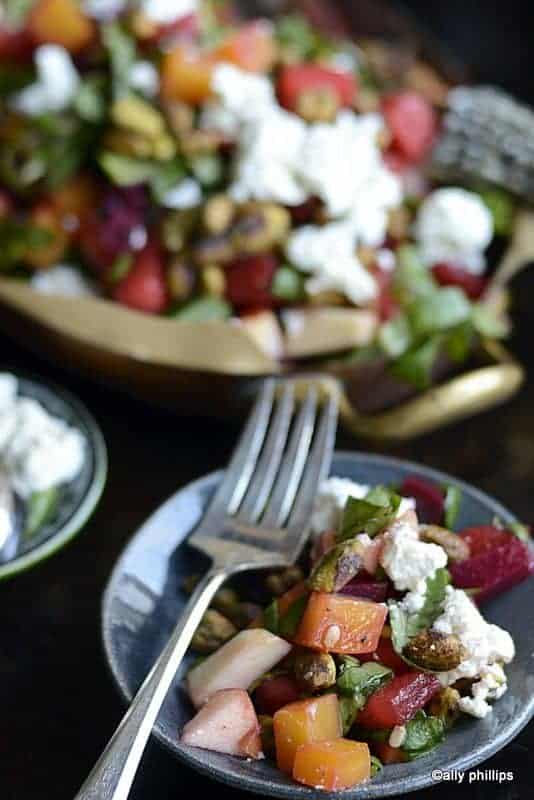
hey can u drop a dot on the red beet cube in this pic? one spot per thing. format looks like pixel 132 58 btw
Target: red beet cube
pixel 274 694
pixel 429 499
pixel 386 655
pixel 413 123
pixel 249 279
pixel 455 275
pixel 399 700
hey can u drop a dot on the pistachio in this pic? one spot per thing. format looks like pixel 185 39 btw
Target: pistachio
pixel 435 651
pixel 336 567
pixel 367 100
pixel 180 280
pixel 218 213
pixel 177 227
pixel 137 115
pixel 218 249
pixel 163 147
pixel 213 280
pixel 314 671
pixel 445 705
pixel 213 631
pixel 277 583
pixel 399 223
pixel 180 117
pixel 455 547
pixel 261 228
pixel 128 143
pixel 328 297
pixel 318 105
pixel 267 735
pixel 199 142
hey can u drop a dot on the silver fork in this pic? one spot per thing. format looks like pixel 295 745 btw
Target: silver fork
pixel 259 517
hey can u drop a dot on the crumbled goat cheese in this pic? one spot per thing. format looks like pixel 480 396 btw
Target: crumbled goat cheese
pixel 328 253
pixel 397 736
pixel 407 560
pixel 64 280
pixel 56 85
pixel 386 259
pixel 9 387
pixel 491 686
pixel 332 498
pixel 144 78
pixel 37 450
pixel 454 225
pixel 104 10
pixel 186 194
pixel 164 12
pixel 485 644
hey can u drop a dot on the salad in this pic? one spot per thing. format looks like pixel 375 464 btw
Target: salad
pixel 372 657
pixel 179 161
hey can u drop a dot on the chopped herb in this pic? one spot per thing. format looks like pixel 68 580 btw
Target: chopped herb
pixel 207 169
pixel 290 621
pixel 423 734
pixel 458 343
pixel 18 239
pixel 395 336
pixel 348 709
pixel 376 766
pixel 502 207
pixel 520 530
pixel 271 617
pixel 90 102
pixel 411 278
pixel 122 53
pixel 452 503
pixel 369 515
pixel 361 680
pixel 297 37
pixel 416 365
pixel 120 267
pixel 439 310
pixel 405 626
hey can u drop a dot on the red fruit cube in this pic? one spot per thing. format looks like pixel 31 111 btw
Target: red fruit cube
pixel 388 754
pixel 299 78
pixel 144 287
pixel 386 655
pixel 399 700
pixel 429 499
pixel 249 279
pixel 455 275
pixel 275 693
pixel 413 123
pixel 368 588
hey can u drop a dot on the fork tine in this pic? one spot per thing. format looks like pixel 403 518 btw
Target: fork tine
pixel 241 467
pixel 292 466
pixel 316 471
pixel 261 484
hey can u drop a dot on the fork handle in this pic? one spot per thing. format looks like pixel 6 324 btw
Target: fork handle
pixel 112 776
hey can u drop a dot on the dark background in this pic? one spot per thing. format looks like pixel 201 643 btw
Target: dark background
pixel 58 705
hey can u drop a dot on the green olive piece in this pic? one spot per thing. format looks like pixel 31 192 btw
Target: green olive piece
pixel 314 671
pixel 213 631
pixel 336 567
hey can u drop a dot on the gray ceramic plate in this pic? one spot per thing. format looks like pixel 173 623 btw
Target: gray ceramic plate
pixel 144 598
pixel 78 498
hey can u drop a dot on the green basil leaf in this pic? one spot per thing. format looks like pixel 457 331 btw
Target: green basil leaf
pixel 39 509
pixel 487 323
pixel 361 680
pixel 121 50
pixel 271 617
pixel 121 267
pixel 299 38
pixel 521 531
pixel 290 621
pixel 366 516
pixel 18 239
pixel 395 336
pixel 125 170
pixel 416 365
pixel 376 766
pixel 90 102
pixel 438 311
pixel 502 207
pixel 458 342
pixel 165 176
pixel 405 626
pixel 208 169
pixel 452 503
pixel 411 278
pixel 423 734
pixel 348 709
pixel 203 309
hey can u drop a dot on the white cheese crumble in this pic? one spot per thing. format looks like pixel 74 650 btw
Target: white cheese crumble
pixel 397 736
pixel 37 450
pixel 144 78
pixel 64 280
pixel 487 647
pixel 104 10
pixel 186 194
pixel 454 225
pixel 406 560
pixel 164 12
pixel 56 85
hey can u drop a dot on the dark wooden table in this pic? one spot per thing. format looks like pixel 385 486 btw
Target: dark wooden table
pixel 58 705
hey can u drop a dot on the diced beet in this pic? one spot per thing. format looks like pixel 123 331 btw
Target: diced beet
pixel 305 212
pixel 499 560
pixel 275 693
pixel 412 122
pixel 455 275
pixel 429 499
pixel 399 700
pixel 249 279
pixel 144 287
pixel 388 754
pixel 386 303
pixel 298 78
pixel 370 589
pixel 110 230
pixel 385 654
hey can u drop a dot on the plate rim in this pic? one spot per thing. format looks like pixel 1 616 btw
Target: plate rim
pixel 82 514
pixel 262 786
